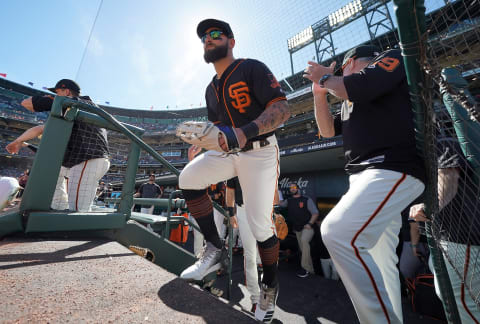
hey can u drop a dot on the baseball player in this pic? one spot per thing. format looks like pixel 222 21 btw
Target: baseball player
pixel 386 174
pixel 149 190
pixel 234 198
pixel 245 99
pixel 86 157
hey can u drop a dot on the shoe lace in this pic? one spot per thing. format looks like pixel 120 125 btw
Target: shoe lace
pixel 207 254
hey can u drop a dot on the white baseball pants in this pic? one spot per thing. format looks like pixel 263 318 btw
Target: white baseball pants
pixel 219 223
pixel 77 192
pixel 465 259
pixel 257 171
pixel 328 269
pixel 251 257
pixel 8 188
pixel 198 239
pixel 361 235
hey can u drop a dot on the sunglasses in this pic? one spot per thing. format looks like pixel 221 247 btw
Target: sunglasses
pixel 214 34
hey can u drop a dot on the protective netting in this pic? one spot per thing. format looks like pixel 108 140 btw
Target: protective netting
pixel 450 58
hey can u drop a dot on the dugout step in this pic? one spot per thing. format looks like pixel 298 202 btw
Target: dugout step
pixel 54 221
pixel 10 222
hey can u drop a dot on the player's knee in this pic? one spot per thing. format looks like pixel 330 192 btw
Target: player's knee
pixel 185 179
pixel 328 235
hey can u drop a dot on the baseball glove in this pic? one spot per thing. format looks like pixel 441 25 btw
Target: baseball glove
pixel 281 226
pixel 206 135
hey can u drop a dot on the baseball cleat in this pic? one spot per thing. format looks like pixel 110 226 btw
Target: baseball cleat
pixel 266 307
pixel 211 260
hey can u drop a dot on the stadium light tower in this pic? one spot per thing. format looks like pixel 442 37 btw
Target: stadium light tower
pixel 300 39
pixel 377 20
pixel 345 12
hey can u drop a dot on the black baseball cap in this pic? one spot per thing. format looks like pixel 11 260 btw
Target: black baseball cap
pixel 361 51
pixel 66 84
pixel 210 23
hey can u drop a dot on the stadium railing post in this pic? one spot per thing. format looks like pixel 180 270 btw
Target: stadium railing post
pixel 128 188
pixel 410 30
pixel 48 160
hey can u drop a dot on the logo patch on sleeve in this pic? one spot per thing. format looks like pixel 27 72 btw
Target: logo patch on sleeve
pixel 389 64
pixel 273 81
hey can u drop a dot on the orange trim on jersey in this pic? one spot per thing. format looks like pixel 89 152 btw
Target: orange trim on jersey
pixel 216 93
pixel 223 92
pixel 352 243
pixel 462 293
pixel 79 183
pixel 275 100
pixel 216 122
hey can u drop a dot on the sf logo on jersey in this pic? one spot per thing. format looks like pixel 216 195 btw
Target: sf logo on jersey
pixel 240 94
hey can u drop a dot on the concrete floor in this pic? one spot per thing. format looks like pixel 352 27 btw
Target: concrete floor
pixel 92 281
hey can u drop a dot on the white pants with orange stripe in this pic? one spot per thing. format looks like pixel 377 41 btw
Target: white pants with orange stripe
pixel 76 186
pixel 257 171
pixel 361 235
pixel 465 258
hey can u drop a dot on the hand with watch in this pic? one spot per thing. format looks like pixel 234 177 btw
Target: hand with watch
pixel 317 73
pixel 323 79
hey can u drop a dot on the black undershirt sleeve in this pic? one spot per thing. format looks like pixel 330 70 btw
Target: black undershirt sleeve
pixel 42 103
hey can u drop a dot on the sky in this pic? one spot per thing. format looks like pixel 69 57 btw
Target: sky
pixel 144 54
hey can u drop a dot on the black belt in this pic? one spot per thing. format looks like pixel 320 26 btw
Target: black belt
pixel 255 144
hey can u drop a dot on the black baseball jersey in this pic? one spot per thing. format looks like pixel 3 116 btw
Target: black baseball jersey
pixel 243 92
pixel 86 142
pixel 377 121
pixel 234 183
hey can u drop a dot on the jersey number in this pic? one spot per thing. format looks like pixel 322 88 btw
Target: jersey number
pixel 239 92
pixel 388 63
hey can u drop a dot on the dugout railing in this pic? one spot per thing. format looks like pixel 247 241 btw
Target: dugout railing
pixel 34 213
pixel 442 56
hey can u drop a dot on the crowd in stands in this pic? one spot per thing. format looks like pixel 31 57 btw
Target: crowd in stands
pixel 10 172
pixel 10 108
pixel 23 152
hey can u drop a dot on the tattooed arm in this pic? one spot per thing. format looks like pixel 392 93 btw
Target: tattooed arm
pixel 273 116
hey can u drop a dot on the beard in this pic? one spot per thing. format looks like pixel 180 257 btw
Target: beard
pixel 215 54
